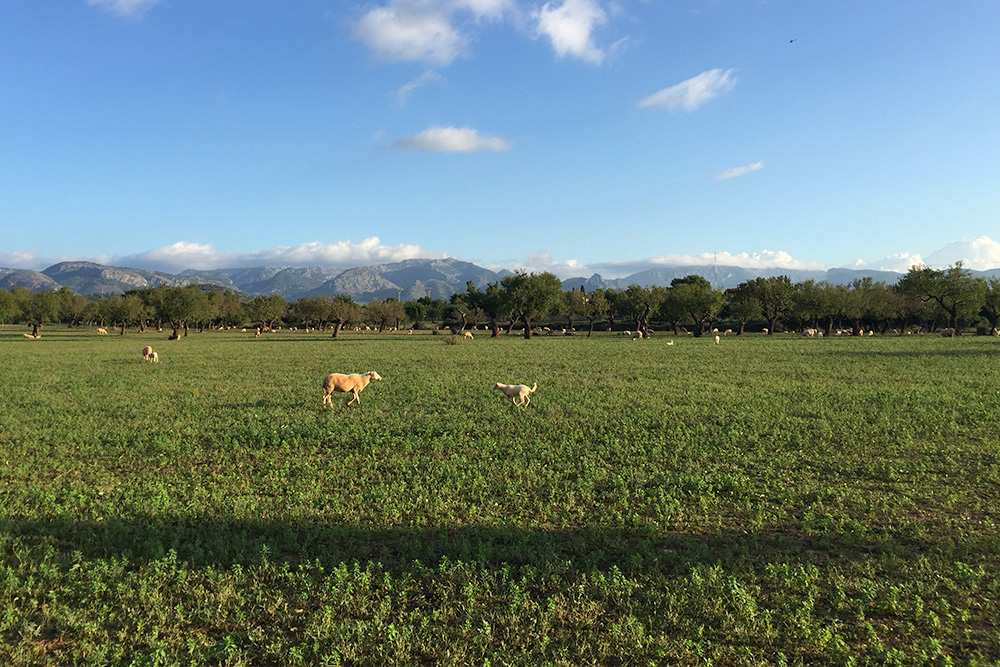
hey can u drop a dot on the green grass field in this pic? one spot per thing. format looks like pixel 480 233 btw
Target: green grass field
pixel 764 501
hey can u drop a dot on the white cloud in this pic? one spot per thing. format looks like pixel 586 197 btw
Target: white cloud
pixel 540 262
pixel 491 9
pixel 900 263
pixel 411 31
pixel 739 171
pixel 453 140
pixel 123 7
pixel 425 30
pixel 22 259
pixel 344 254
pixel 424 79
pixel 978 254
pixel 691 94
pixel 570 28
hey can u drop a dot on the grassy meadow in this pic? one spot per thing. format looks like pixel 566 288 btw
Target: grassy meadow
pixel 769 500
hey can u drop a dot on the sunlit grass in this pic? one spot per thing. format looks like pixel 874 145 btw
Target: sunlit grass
pixel 761 501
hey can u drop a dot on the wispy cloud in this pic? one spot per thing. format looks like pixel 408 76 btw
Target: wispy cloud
pixel 130 8
pixel 691 94
pixel 570 27
pixel 428 77
pixel 739 171
pixel 452 140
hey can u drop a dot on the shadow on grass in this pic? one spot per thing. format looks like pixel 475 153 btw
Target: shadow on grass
pixel 224 542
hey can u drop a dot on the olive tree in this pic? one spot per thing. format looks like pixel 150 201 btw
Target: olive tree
pixel 532 296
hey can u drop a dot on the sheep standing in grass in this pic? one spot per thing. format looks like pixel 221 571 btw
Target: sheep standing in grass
pixel 102 332
pixel 147 352
pixel 468 334
pixel 153 358
pixel 516 391
pixel 352 383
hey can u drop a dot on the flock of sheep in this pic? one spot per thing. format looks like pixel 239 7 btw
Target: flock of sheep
pixel 353 383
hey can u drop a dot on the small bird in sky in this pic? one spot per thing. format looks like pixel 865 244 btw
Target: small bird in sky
pixel 793 40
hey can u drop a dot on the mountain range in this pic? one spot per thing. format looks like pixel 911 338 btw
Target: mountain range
pixel 406 280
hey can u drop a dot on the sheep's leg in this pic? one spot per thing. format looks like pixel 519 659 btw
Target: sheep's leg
pixel 356 398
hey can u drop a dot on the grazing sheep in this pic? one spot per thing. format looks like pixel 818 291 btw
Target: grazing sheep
pixel 153 358
pixel 467 334
pixel 102 332
pixel 670 342
pixel 516 391
pixel 352 383
pixel 717 339
pixel 637 335
pixel 146 352
pixel 32 336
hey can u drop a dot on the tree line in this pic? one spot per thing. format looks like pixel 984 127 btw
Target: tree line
pixel 923 299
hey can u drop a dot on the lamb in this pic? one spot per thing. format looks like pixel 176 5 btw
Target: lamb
pixel 353 383
pixel 153 358
pixel 516 391
pixel 146 352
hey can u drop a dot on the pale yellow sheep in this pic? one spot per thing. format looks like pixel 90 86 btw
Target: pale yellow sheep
pixel 467 334
pixel 516 391
pixel 352 383
pixel 146 352
pixel 102 331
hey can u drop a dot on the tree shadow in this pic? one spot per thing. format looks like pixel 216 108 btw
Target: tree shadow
pixel 224 542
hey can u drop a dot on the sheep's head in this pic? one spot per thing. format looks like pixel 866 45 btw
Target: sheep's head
pixel 373 375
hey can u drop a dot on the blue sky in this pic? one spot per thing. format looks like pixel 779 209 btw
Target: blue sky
pixel 576 136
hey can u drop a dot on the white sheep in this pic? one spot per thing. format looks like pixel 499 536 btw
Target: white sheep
pixel 717 339
pixel 153 358
pixel 102 332
pixel 146 352
pixel 516 391
pixel 467 334
pixel 352 383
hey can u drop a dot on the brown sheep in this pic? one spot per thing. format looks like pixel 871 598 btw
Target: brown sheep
pixel 353 383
